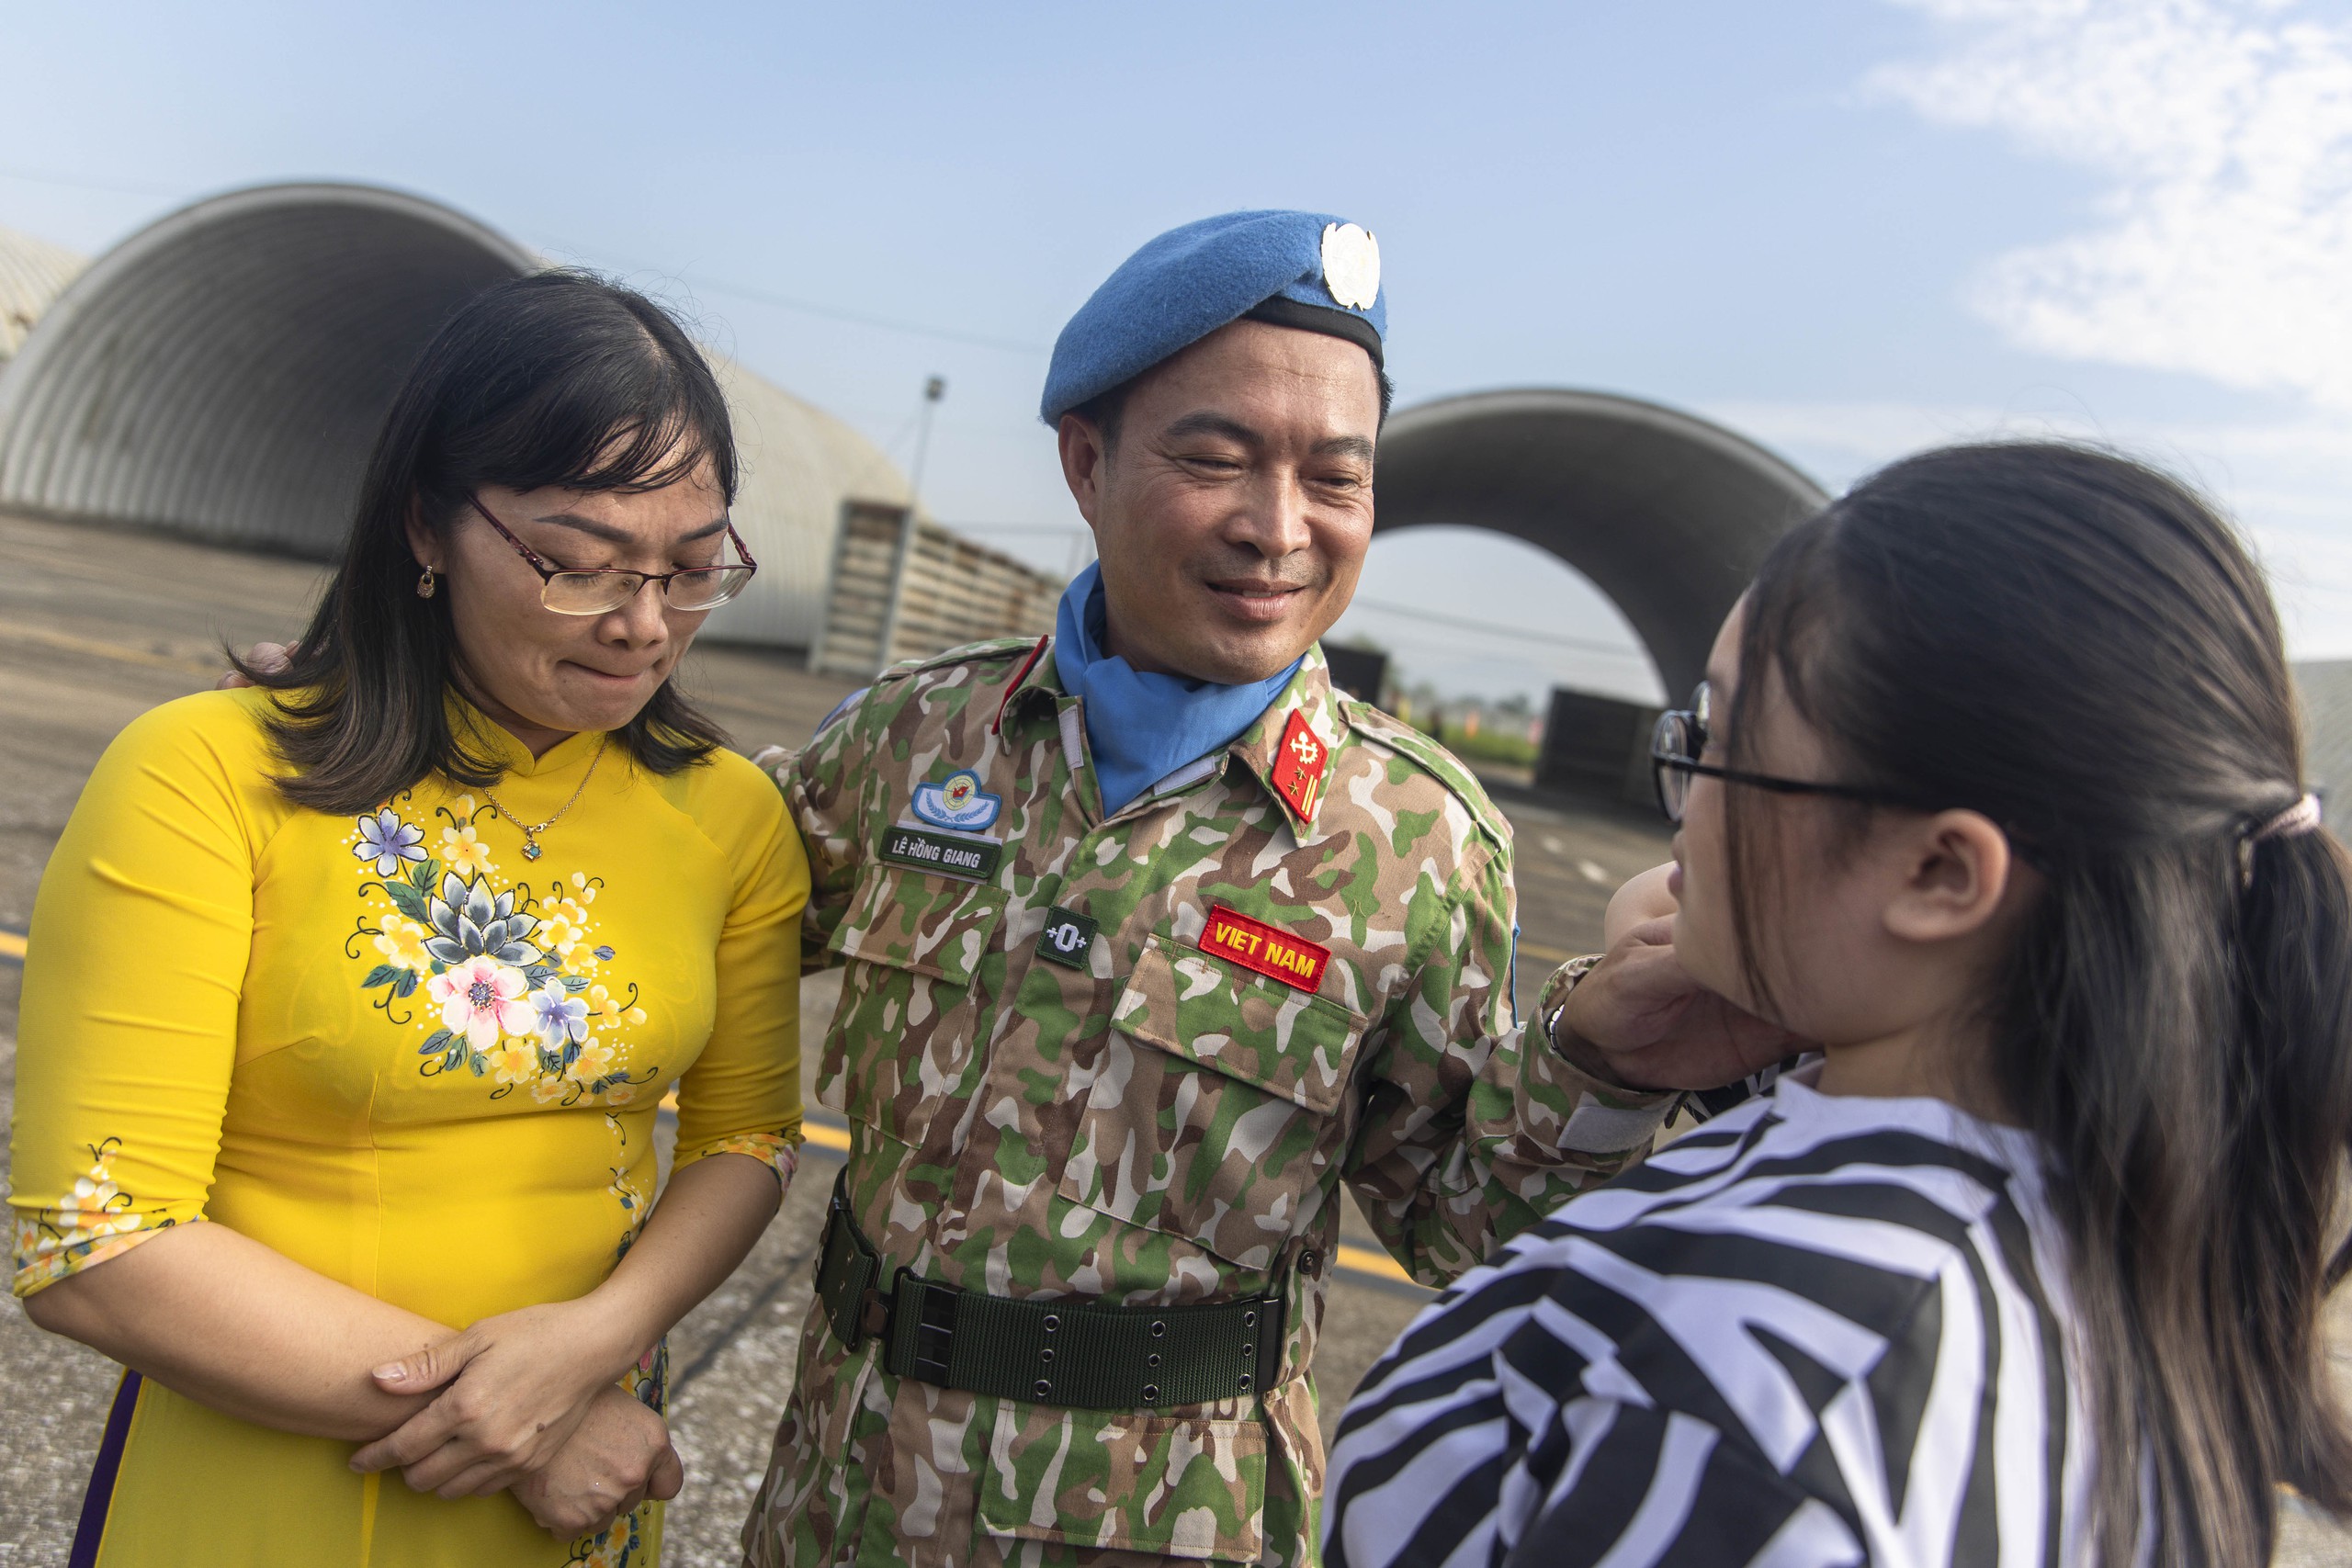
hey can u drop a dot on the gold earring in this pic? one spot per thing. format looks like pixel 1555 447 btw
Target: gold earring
pixel 425 585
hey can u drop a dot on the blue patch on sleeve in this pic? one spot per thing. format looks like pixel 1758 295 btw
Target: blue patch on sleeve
pixel 957 802
pixel 839 708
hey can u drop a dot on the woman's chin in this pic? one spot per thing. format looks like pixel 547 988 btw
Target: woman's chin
pixel 607 717
pixel 588 700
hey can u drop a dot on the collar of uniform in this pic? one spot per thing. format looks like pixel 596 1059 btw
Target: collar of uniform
pixel 1038 674
pixel 485 737
pixel 1309 692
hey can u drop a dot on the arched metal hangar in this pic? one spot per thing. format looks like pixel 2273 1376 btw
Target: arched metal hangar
pixel 224 372
pixel 32 274
pixel 1667 513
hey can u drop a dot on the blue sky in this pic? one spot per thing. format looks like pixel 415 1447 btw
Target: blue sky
pixel 1846 227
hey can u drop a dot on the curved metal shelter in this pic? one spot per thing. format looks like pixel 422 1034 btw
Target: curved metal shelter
pixel 32 274
pixel 224 372
pixel 1667 513
pixel 800 466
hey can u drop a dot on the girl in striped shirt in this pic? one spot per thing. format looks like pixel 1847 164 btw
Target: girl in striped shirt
pixel 1994 791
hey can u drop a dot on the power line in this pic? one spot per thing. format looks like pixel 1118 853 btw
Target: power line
pixel 806 307
pixel 859 317
pixel 716 285
pixel 75 182
pixel 1460 623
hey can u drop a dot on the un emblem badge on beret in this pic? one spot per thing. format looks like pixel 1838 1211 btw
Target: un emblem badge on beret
pixel 1350 265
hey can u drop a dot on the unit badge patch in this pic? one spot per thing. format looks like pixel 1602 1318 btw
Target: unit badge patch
pixel 1256 945
pixel 1299 766
pixel 957 802
pixel 1068 937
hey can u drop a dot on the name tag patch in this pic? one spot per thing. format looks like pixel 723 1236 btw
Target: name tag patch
pixel 1068 937
pixel 1253 944
pixel 943 854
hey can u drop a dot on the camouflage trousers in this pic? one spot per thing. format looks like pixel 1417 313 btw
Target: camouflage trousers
pixel 870 1469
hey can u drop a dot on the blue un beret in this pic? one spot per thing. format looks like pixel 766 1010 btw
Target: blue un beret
pixel 1302 269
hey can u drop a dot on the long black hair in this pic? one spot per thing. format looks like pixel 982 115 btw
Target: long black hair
pixel 2080 649
pixel 558 379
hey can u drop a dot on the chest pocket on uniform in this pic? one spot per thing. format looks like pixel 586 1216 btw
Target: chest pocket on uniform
pixel 928 925
pixel 1211 1118
pixel 901 1045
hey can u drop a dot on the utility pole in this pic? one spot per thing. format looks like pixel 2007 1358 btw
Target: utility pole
pixel 934 389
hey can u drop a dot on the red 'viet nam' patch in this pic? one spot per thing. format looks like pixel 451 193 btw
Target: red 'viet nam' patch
pixel 1256 945
pixel 1298 766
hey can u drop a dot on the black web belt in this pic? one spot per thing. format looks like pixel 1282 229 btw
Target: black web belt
pixel 1075 1352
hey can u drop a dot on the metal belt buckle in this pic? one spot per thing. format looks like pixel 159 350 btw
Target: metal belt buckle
pixel 848 1273
pixel 927 1309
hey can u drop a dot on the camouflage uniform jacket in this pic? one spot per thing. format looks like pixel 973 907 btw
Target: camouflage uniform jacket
pixel 1159 1125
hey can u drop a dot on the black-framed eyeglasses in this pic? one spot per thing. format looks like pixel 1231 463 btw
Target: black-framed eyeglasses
pixel 1681 736
pixel 602 590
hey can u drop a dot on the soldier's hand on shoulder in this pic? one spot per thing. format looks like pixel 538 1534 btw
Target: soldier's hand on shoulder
pixel 1637 1019
pixel 267 657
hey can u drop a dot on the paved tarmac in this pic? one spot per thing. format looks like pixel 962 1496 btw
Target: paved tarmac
pixel 98 626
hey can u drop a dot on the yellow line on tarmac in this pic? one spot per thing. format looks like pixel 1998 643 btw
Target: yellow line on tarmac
pixel 12 945
pixel 1354 1259
pixel 17 631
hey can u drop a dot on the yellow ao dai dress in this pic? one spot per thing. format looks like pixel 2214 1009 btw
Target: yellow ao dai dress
pixel 402 1054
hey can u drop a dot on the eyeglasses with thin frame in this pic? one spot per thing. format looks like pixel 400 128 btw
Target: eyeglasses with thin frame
pixel 600 591
pixel 1681 736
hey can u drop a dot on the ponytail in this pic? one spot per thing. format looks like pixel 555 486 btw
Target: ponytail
pixel 2294 954
pixel 2079 648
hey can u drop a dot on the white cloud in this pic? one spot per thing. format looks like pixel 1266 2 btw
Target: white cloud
pixel 2224 242
pixel 2222 133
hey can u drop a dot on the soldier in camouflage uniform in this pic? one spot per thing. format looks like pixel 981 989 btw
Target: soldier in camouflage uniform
pixel 1102 1053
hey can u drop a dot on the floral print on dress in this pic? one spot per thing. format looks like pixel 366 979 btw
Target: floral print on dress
pixel 620 1544
pixel 388 841
pixel 87 1225
pixel 464 851
pixel 509 972
pixel 481 998
pixel 632 1197
pixel 777 1152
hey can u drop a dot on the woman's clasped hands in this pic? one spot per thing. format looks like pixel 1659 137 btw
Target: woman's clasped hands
pixel 530 1403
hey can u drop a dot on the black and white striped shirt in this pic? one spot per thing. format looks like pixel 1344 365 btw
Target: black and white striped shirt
pixel 1818 1330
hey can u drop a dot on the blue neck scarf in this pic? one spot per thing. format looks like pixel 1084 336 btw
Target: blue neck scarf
pixel 1140 726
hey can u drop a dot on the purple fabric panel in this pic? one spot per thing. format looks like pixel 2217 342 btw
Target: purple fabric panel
pixel 100 1496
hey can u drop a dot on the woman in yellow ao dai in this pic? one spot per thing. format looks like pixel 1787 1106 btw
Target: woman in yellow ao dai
pixel 408 1057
